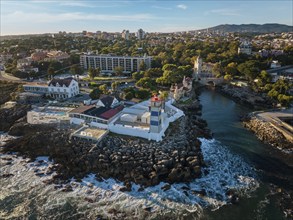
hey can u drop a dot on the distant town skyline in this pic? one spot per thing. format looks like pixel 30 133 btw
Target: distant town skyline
pixel 50 16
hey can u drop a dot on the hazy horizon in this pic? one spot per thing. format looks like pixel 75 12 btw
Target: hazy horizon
pixel 51 16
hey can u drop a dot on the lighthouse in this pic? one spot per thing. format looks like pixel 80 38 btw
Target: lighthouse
pixel 156 117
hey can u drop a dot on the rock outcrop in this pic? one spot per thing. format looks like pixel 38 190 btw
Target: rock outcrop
pixel 177 158
pixel 245 96
pixel 267 133
pixel 8 116
pixel 6 90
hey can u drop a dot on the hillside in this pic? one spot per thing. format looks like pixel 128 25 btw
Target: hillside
pixel 259 28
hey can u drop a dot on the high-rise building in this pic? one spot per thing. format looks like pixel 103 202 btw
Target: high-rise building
pixel 140 34
pixel 108 63
pixel 125 34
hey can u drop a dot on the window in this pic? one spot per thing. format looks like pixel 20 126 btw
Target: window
pixel 154 113
pixel 154 123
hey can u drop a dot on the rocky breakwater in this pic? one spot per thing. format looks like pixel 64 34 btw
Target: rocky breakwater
pixel 177 158
pixel 246 96
pixel 267 133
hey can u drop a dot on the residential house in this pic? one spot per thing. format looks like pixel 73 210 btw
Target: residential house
pixel 63 88
pixel 56 88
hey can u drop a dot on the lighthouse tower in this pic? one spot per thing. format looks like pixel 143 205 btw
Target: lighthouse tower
pixel 156 117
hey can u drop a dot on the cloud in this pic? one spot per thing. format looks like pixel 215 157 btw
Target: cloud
pixel 91 5
pixel 74 16
pixel 160 7
pixel 184 7
pixel 223 12
pixel 76 4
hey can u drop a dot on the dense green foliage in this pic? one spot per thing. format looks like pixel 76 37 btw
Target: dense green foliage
pixel 172 58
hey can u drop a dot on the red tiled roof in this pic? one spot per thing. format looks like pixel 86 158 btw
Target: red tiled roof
pixel 110 113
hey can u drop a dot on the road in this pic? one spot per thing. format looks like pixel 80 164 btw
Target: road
pixel 7 77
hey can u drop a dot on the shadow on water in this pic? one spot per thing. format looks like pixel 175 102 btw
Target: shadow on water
pixel 273 166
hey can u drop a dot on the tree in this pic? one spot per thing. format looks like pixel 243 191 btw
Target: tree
pixel 164 95
pixel 103 88
pixel 146 83
pixel 137 75
pixel 142 66
pixel 231 69
pixel 95 94
pixel 98 71
pixel 227 77
pixel 153 72
pixel 76 69
pixel 93 72
pixel 174 74
pixel 142 94
pixel 250 69
pixel 129 96
pixel 118 70
pixel 50 71
pixel 115 85
pixel 263 79
pixel 218 70
pixel 55 65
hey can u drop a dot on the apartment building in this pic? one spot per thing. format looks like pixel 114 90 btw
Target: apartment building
pixel 107 63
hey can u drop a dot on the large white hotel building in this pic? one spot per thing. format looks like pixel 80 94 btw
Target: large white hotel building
pixel 107 63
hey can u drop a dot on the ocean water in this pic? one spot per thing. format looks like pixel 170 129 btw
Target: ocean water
pixel 25 195
pixel 235 161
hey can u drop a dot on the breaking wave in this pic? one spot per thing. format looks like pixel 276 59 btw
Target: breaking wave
pixel 25 194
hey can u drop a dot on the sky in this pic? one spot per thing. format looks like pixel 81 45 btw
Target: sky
pixel 51 16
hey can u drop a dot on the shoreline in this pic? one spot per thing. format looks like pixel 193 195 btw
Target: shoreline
pixel 268 133
pixel 176 159
pixel 245 97
pixel 65 182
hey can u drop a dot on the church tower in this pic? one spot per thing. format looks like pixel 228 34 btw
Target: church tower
pixel 156 117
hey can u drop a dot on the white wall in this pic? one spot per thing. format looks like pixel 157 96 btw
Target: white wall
pixel 71 90
pixel 76 121
pixel 99 125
